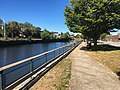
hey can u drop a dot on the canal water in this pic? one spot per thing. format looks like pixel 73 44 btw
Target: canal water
pixel 13 54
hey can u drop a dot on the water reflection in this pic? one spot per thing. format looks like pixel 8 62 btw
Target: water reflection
pixel 4 55
pixel 16 53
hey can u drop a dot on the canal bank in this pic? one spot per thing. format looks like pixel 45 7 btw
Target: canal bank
pixel 32 65
pixel 86 74
pixel 24 42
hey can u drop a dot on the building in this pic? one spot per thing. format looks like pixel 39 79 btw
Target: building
pixel 113 38
pixel 55 33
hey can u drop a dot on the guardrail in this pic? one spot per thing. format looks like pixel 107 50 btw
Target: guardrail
pixel 14 74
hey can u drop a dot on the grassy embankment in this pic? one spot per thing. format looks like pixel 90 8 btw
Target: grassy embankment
pixel 107 55
pixel 57 78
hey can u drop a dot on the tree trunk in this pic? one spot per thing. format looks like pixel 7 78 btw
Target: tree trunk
pixel 95 42
pixel 88 43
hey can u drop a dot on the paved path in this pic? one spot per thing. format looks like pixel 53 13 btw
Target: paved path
pixel 88 74
pixel 116 44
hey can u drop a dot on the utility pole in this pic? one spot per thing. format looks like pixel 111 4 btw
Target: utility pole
pixel 4 34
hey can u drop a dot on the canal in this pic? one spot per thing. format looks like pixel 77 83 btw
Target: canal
pixel 13 54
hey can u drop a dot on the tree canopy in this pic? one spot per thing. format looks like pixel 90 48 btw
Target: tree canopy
pixel 93 17
pixel 24 30
pixel 45 34
pixel 65 35
pixel 27 30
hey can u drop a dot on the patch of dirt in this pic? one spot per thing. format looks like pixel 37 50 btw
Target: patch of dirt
pixel 53 77
pixel 110 59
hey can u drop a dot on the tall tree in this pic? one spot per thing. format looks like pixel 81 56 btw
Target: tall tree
pixel 13 29
pixel 31 30
pixel 93 17
pixel 65 35
pixel 45 34
pixel 27 25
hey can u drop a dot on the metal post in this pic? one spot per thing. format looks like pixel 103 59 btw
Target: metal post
pixel 59 51
pixel 1 82
pixel 63 49
pixel 46 57
pixel 31 66
pixel 54 54
pixel 74 44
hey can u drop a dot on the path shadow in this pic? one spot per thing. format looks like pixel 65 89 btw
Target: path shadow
pixel 102 47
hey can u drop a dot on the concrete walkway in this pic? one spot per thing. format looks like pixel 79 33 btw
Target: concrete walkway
pixel 88 74
pixel 116 44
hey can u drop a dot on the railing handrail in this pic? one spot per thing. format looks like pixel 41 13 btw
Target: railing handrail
pixel 30 58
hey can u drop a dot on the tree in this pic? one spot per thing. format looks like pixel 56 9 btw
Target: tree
pixel 93 17
pixel 38 32
pixel 31 30
pixel 13 29
pixel 45 34
pixel 27 25
pixel 65 35
pixel 35 32
pixel 27 32
pixel 103 36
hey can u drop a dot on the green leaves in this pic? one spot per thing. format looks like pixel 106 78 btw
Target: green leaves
pixel 93 17
pixel 45 34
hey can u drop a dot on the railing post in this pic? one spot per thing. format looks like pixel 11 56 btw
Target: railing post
pixel 54 54
pixel 1 81
pixel 63 49
pixel 74 44
pixel 59 50
pixel 31 66
pixel 46 57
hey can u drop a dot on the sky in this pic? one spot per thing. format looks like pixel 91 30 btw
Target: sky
pixel 47 14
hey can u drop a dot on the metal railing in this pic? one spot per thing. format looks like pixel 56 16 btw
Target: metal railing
pixel 14 74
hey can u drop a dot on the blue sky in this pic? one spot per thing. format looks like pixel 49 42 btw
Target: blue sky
pixel 47 14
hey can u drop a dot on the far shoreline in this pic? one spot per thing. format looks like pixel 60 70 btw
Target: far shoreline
pixel 7 43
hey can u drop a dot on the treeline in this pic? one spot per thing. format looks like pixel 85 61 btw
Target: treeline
pixel 27 30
